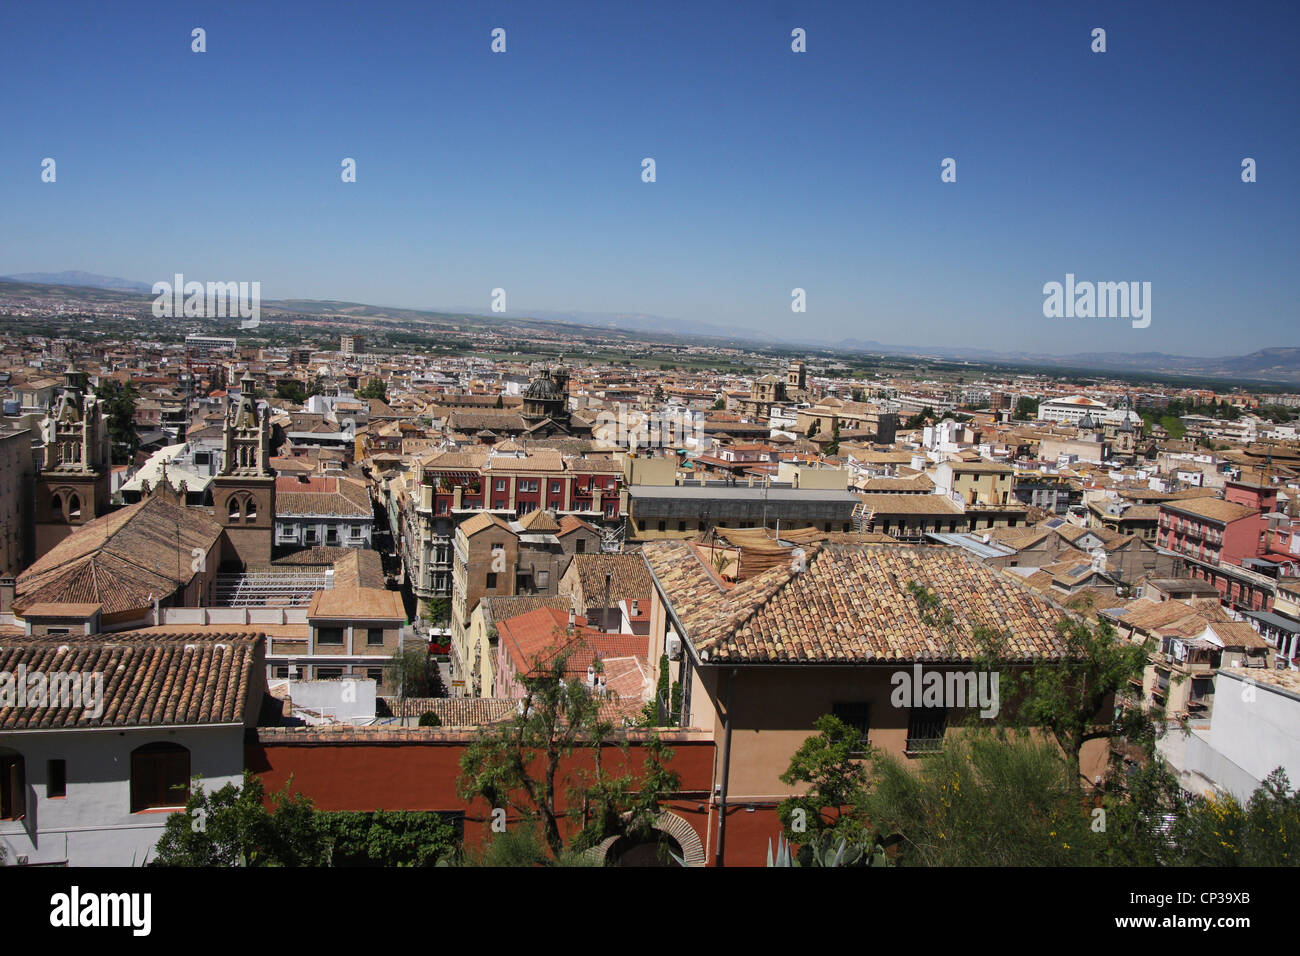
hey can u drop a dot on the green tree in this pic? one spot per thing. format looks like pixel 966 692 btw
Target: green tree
pixel 1219 831
pixel 119 406
pixel 720 405
pixel 1073 698
pixel 518 765
pixel 624 805
pixel 437 611
pixel 1026 408
pixel 414 672
pixel 375 388
pixel 830 763
pixel 833 446
pixel 291 391
pixel 389 838
pixel 232 827
pixel 316 386
pixel 986 799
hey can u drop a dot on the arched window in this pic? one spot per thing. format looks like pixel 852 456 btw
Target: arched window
pixel 74 506
pixel 233 513
pixel 13 785
pixel 56 505
pixel 160 776
pixel 250 511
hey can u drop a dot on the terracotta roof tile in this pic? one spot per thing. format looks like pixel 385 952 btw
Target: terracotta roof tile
pixel 850 604
pixel 147 679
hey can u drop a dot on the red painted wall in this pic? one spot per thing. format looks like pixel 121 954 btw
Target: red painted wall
pixel 419 772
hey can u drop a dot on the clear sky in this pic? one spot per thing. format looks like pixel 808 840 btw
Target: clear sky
pixel 775 169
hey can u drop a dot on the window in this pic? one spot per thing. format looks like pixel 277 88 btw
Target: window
pixel 375 674
pixel 857 714
pixel 160 776
pixel 329 635
pixel 355 532
pixel 663 526
pixel 501 484
pixel 56 779
pixel 375 635
pixel 232 511
pixel 309 536
pixel 555 487
pixel 925 729
pixel 13 786
pixel 543 578
pixel 331 535
pixel 491 580
pixel 329 673
pixel 74 507
pixel 250 511
pixel 281 673
pixel 582 546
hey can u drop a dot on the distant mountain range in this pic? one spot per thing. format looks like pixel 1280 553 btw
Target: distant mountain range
pixel 1281 365
pixel 87 279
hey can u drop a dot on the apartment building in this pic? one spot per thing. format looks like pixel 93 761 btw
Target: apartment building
pixel 349 632
pixel 447 488
pixel 313 510
pixel 493 557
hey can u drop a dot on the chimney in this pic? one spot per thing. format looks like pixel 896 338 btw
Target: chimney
pixel 7 586
pixel 605 612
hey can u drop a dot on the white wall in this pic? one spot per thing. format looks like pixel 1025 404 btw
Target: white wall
pixel 93 825
pixel 1257 735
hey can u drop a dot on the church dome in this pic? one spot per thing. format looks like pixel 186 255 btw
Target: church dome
pixel 544 389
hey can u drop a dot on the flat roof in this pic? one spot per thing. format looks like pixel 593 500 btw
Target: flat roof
pixel 740 492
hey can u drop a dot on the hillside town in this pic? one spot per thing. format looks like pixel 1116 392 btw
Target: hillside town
pixel 347 567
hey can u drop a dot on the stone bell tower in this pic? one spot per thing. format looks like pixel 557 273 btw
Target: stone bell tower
pixel 243 493
pixel 72 487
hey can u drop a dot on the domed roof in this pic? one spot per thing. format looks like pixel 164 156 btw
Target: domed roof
pixel 545 389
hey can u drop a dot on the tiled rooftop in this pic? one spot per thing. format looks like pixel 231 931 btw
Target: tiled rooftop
pixel 851 604
pixel 147 679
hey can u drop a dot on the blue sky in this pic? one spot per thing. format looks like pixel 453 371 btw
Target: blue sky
pixel 775 170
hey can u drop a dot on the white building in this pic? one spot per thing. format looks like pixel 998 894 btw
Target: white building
pixel 1253 729
pixel 1071 409
pixel 93 780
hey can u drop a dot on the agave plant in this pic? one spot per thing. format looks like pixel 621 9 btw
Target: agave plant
pixel 823 850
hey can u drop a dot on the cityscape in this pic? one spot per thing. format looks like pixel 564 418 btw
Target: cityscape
pixel 699 534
